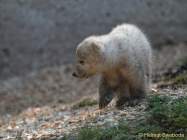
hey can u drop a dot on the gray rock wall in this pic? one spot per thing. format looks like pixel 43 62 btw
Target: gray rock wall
pixel 41 33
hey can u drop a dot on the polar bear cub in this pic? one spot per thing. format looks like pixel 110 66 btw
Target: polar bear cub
pixel 122 58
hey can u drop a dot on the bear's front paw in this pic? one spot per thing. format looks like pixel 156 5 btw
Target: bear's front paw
pixel 105 99
pixel 103 104
pixel 120 103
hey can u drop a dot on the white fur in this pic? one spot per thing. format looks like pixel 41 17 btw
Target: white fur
pixel 128 44
pixel 132 41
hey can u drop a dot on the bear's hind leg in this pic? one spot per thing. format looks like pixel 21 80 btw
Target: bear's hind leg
pixel 123 96
pixel 137 94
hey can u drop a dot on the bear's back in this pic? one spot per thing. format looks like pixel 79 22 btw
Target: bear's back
pixel 126 41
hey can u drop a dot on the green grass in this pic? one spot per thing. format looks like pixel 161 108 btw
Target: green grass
pixel 178 78
pixel 85 102
pixel 181 79
pixel 169 114
pixel 115 133
pixel 163 115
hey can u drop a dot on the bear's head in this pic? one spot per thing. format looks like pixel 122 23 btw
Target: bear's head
pixel 88 58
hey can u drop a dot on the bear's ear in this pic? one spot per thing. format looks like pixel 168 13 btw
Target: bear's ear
pixel 96 48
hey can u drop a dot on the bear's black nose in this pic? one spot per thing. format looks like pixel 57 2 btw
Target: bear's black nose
pixel 74 74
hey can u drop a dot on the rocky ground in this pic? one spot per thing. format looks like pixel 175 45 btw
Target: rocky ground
pixel 50 104
pixel 54 122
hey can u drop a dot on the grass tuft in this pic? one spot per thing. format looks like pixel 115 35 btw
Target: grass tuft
pixel 85 102
pixel 181 79
pixel 167 113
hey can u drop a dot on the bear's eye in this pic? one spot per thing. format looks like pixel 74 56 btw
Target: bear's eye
pixel 81 62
